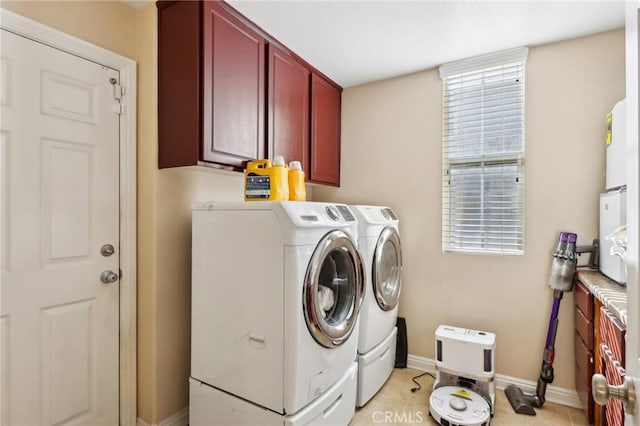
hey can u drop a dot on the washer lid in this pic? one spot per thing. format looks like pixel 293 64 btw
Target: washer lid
pixel 333 289
pixel 387 269
pixel 459 405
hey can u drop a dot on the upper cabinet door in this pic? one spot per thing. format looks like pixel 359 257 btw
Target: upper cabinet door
pixel 325 132
pixel 288 121
pixel 233 89
pixel 179 90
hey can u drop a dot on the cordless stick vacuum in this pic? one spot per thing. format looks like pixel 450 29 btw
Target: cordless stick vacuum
pixel 560 281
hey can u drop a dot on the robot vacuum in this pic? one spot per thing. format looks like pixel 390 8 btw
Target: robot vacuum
pixel 452 405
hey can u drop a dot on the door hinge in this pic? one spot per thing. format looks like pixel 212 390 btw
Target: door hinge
pixel 118 91
pixel 118 108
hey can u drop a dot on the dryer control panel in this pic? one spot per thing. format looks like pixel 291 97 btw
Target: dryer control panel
pixel 318 214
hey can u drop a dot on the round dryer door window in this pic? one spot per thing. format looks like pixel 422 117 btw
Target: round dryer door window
pixel 387 269
pixel 333 289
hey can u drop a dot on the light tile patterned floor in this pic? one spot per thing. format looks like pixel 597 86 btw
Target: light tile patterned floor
pixel 395 404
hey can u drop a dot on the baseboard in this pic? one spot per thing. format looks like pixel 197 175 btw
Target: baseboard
pixel 181 418
pixel 557 395
pixel 421 363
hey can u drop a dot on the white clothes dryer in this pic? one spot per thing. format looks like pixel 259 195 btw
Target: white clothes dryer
pixel 379 244
pixel 276 292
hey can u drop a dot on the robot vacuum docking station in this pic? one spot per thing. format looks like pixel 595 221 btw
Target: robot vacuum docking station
pixel 464 391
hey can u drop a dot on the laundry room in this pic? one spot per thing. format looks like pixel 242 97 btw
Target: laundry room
pixel 389 144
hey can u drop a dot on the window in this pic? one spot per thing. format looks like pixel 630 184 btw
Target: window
pixel 483 153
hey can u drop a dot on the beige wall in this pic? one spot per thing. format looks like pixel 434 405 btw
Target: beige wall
pixel 108 24
pixel 391 136
pixel 148 382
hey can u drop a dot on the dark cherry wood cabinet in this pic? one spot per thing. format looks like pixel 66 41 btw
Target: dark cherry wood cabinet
pixel 325 132
pixel 599 349
pixel 210 87
pixel 179 84
pixel 228 93
pixel 288 121
pixel 584 347
pixel 611 344
pixel 233 89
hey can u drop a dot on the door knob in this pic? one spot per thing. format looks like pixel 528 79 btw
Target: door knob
pixel 626 392
pixel 108 277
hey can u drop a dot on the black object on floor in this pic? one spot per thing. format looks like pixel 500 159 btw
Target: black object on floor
pixel 401 343
pixel 417 388
pixel 521 403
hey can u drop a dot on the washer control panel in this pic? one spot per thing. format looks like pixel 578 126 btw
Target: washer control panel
pixel 333 213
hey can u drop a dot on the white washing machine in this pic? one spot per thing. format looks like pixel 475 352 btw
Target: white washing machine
pixel 379 244
pixel 276 292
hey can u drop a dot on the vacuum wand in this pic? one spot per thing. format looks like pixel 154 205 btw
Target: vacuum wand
pixel 546 371
pixel 560 280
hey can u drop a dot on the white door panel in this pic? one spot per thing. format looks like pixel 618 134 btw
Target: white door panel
pixel 60 203
pixel 600 388
pixel 633 212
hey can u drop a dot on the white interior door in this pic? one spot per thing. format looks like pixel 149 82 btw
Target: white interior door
pixel 633 212
pixel 59 191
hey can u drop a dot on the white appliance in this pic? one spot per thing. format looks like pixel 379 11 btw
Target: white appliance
pixel 616 147
pixel 276 292
pixel 613 214
pixel 464 392
pixel 379 244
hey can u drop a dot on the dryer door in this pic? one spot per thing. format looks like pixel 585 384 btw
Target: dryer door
pixel 333 289
pixel 387 269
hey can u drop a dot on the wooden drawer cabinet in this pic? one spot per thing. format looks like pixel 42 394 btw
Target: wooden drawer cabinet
pixel 609 348
pixel 584 367
pixel 611 341
pixel 612 412
pixel 613 334
pixel 229 93
pixel 584 300
pixel 584 347
pixel 584 328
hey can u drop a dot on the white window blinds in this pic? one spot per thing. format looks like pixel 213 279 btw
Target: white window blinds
pixel 483 153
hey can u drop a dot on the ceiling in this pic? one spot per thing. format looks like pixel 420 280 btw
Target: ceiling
pixel 355 42
pixel 358 41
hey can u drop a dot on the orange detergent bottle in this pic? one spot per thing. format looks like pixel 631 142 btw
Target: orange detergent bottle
pixel 266 182
pixel 297 190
